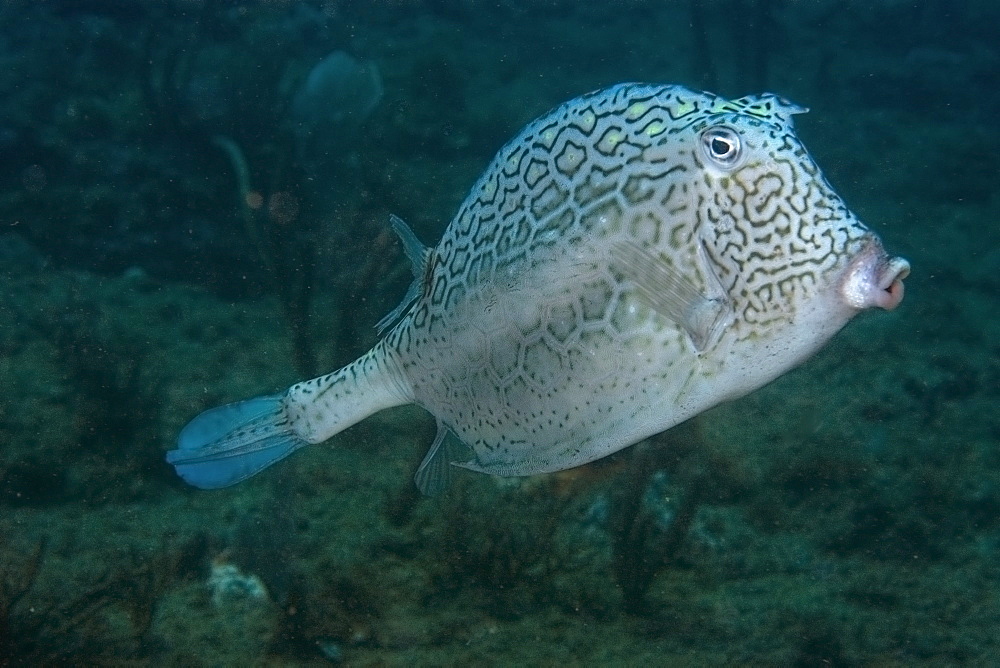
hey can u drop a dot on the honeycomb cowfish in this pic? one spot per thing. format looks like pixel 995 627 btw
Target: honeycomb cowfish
pixel 630 259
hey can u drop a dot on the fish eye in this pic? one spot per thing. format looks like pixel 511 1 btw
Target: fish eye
pixel 722 146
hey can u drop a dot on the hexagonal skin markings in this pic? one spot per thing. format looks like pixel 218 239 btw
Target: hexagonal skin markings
pixel 504 357
pixel 543 366
pixel 594 338
pixel 485 400
pixel 517 396
pixel 624 315
pixel 596 351
pixel 459 262
pixel 562 321
pixel 596 298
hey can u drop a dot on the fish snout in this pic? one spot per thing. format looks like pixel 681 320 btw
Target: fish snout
pixel 874 280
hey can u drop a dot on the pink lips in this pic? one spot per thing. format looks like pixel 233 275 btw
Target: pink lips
pixel 874 280
pixel 890 296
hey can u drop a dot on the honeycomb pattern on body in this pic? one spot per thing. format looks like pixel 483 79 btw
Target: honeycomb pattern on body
pixel 530 344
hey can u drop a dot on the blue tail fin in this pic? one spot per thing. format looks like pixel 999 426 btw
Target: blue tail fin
pixel 225 445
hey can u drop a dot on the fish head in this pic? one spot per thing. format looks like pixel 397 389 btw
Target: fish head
pixel 791 257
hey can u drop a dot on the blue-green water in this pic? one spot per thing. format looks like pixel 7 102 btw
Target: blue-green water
pixel 185 220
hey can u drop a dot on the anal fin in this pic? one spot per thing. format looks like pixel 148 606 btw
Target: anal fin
pixel 435 472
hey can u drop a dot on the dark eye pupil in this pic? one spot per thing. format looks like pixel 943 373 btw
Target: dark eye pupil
pixel 720 147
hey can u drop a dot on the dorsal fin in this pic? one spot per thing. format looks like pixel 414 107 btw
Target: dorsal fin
pixel 417 253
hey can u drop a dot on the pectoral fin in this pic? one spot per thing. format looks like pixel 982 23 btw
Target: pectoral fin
pixel 674 296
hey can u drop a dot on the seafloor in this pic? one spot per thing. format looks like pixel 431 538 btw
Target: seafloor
pixel 846 514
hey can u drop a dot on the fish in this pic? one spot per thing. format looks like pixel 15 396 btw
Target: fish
pixel 630 259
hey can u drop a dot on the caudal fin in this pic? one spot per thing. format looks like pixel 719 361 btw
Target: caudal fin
pixel 228 444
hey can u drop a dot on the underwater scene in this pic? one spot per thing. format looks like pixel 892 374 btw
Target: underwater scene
pixel 608 416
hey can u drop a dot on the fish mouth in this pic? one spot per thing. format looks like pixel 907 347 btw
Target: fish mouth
pixel 873 279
